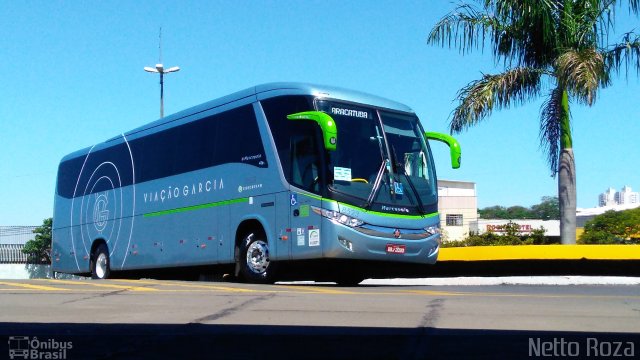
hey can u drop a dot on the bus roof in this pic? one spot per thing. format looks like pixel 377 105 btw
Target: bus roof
pixel 281 88
pixel 266 91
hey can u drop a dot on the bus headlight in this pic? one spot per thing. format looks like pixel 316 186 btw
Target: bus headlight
pixel 338 217
pixel 345 243
pixel 432 230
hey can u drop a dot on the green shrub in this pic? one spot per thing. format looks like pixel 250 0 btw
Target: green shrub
pixel 613 227
pixel 39 249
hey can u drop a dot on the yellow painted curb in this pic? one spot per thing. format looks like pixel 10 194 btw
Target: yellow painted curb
pixel 541 252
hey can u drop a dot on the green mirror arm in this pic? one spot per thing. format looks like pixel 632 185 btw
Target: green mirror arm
pixel 454 146
pixel 326 123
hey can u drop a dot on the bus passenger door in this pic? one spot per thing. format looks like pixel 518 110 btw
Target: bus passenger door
pixel 305 226
pixel 306 180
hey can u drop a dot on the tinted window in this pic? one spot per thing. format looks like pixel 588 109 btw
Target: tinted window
pixel 229 137
pixel 285 132
pixel 113 163
pixel 238 138
pixel 305 157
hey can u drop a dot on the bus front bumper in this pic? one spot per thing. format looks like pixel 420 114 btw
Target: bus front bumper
pixel 380 244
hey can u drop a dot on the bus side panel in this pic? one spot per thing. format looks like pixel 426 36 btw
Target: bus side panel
pixel 176 221
pixel 175 239
pixel 63 252
pixel 283 240
pixel 134 196
pixel 224 238
pixel 191 219
pixel 260 208
pixel 95 200
pixel 306 239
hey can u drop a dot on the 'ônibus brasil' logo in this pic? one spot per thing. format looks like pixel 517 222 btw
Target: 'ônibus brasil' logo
pixel 100 211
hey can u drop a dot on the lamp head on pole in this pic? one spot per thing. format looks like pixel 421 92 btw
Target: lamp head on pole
pixel 172 69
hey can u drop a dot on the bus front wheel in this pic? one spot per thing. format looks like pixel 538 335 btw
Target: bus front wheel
pixel 100 268
pixel 255 264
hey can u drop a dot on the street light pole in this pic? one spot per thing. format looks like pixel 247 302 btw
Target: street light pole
pixel 161 95
pixel 161 70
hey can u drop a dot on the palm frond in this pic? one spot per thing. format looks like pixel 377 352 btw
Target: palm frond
pixel 551 113
pixel 480 97
pixel 465 27
pixel 531 31
pixel 582 72
pixel 587 23
pixel 624 54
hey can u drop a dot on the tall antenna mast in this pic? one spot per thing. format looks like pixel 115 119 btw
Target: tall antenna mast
pixel 161 70
pixel 160 46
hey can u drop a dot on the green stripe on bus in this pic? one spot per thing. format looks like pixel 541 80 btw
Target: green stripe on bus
pixel 395 216
pixel 196 207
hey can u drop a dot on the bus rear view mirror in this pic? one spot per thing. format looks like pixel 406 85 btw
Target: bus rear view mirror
pixel 454 146
pixel 326 123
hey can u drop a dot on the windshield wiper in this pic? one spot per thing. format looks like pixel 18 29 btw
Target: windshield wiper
pixel 376 185
pixel 415 193
pixel 409 181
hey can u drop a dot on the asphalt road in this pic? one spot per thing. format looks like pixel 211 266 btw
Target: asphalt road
pixel 135 318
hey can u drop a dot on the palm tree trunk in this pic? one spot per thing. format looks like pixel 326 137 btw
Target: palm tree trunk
pixel 566 177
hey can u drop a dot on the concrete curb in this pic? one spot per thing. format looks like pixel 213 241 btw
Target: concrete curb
pixel 508 280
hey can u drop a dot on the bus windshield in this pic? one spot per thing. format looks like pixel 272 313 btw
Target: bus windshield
pixel 382 161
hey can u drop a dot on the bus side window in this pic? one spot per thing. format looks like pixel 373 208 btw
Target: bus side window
pixel 283 130
pixel 305 162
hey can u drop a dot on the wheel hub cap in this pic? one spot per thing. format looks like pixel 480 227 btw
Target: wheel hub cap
pixel 101 265
pixel 258 257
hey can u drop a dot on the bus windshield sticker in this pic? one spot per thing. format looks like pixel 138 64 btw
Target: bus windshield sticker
pixel 341 174
pixel 300 236
pixel 314 237
pixel 398 188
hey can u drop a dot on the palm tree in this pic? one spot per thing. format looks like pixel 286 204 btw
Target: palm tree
pixel 554 48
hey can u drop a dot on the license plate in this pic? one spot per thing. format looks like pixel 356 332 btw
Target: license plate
pixel 396 249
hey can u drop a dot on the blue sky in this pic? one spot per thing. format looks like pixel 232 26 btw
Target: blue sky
pixel 72 75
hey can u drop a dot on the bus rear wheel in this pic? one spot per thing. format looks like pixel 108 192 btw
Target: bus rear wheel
pixel 254 261
pixel 100 268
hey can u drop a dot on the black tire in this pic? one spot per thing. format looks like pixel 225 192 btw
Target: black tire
pixel 253 259
pixel 100 263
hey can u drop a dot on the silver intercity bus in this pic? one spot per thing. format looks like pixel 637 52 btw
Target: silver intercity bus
pixel 274 175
